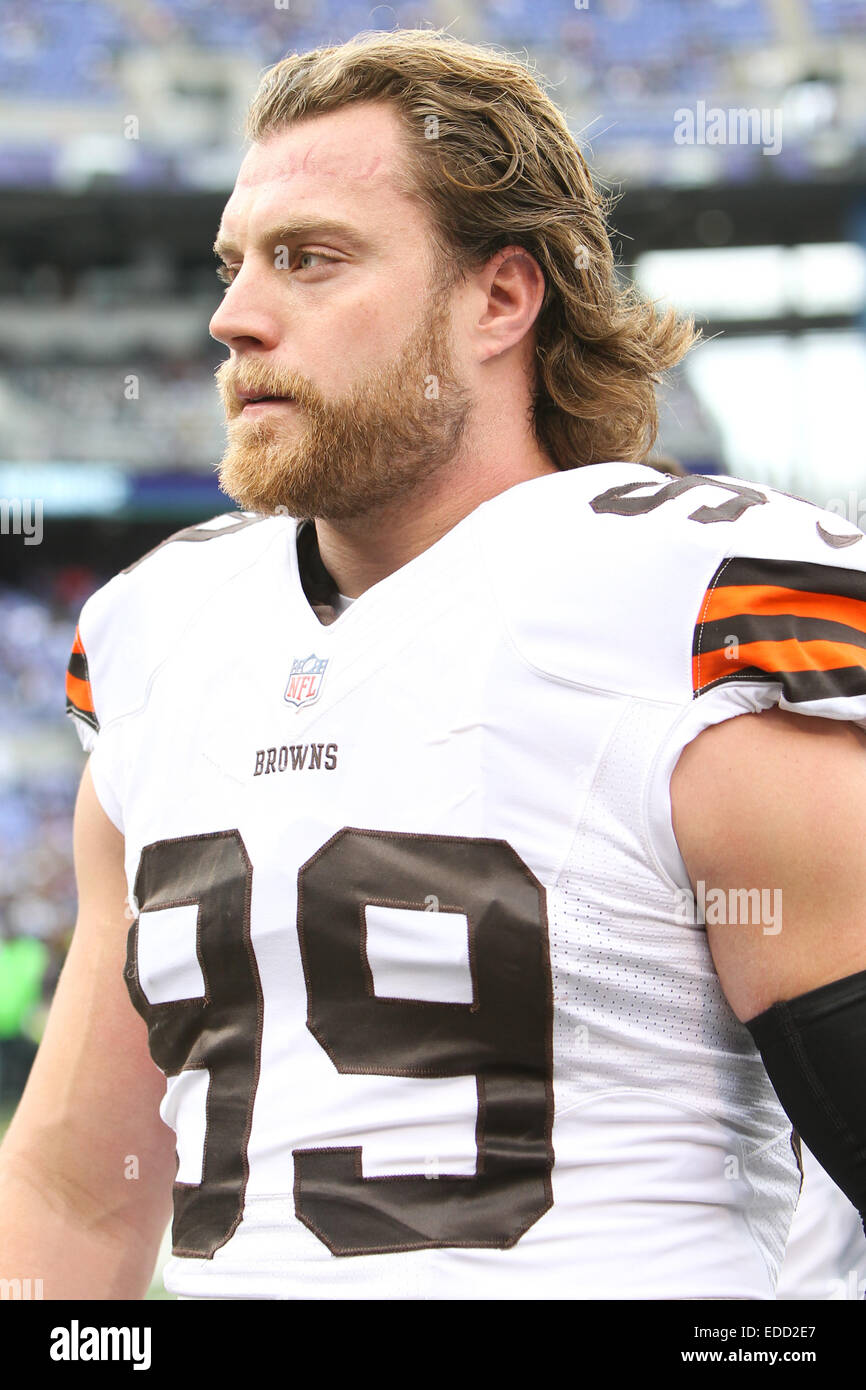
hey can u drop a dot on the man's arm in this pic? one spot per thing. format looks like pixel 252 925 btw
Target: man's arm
pixel 778 801
pixel 70 1213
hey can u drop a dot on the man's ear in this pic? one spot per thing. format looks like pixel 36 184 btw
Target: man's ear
pixel 512 284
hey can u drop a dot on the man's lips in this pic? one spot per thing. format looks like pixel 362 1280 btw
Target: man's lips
pixel 246 393
pixel 250 402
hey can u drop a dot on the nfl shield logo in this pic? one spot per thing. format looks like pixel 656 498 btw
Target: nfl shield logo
pixel 305 681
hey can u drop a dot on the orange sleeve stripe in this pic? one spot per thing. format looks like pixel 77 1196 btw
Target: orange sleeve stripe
pixel 79 693
pixel 775 657
pixel 761 600
pixel 78 645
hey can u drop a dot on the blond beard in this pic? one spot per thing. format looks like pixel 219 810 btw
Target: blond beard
pixel 337 459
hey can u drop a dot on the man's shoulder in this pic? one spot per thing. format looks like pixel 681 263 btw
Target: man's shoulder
pixel 621 577
pixel 130 624
pixel 620 509
pixel 181 569
pixel 238 536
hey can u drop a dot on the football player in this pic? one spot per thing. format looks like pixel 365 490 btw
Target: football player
pixel 484 811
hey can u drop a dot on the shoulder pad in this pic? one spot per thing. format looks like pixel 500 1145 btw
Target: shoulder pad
pixel 620 578
pixel 129 625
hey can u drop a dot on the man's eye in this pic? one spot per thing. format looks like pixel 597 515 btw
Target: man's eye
pixel 227 273
pixel 316 255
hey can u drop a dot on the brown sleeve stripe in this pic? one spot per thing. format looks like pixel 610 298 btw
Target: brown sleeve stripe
pixel 787 627
pixel 791 574
pixel 801 686
pixel 804 634
pixel 79 696
pixel 78 665
pixel 776 660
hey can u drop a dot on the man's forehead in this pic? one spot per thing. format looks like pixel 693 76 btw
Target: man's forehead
pixel 342 164
pixel 360 151
pixel 319 160
pixel 347 166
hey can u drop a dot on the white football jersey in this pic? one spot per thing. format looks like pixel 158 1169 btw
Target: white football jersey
pixel 825 1257
pixel 414 942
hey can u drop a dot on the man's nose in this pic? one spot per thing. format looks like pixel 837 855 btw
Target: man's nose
pixel 245 315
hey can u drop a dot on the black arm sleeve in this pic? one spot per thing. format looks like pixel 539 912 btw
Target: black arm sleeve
pixel 814 1049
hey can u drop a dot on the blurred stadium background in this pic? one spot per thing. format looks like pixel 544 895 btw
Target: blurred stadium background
pixel 120 138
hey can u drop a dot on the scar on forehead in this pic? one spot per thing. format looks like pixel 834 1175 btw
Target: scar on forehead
pixel 327 163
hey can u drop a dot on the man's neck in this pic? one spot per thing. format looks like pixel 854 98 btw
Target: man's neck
pixel 362 550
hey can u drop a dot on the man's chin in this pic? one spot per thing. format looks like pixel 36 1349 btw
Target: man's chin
pixel 247 487
pixel 254 491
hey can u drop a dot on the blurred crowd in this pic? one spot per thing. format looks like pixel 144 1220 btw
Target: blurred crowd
pixel 37 42
pixel 40 764
pixel 147 417
pixel 625 58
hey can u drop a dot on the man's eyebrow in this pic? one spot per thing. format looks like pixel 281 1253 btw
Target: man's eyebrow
pixel 291 231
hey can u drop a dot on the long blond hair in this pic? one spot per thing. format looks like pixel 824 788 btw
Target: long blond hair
pixel 493 160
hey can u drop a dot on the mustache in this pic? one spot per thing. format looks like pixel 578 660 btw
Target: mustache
pixel 262 379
